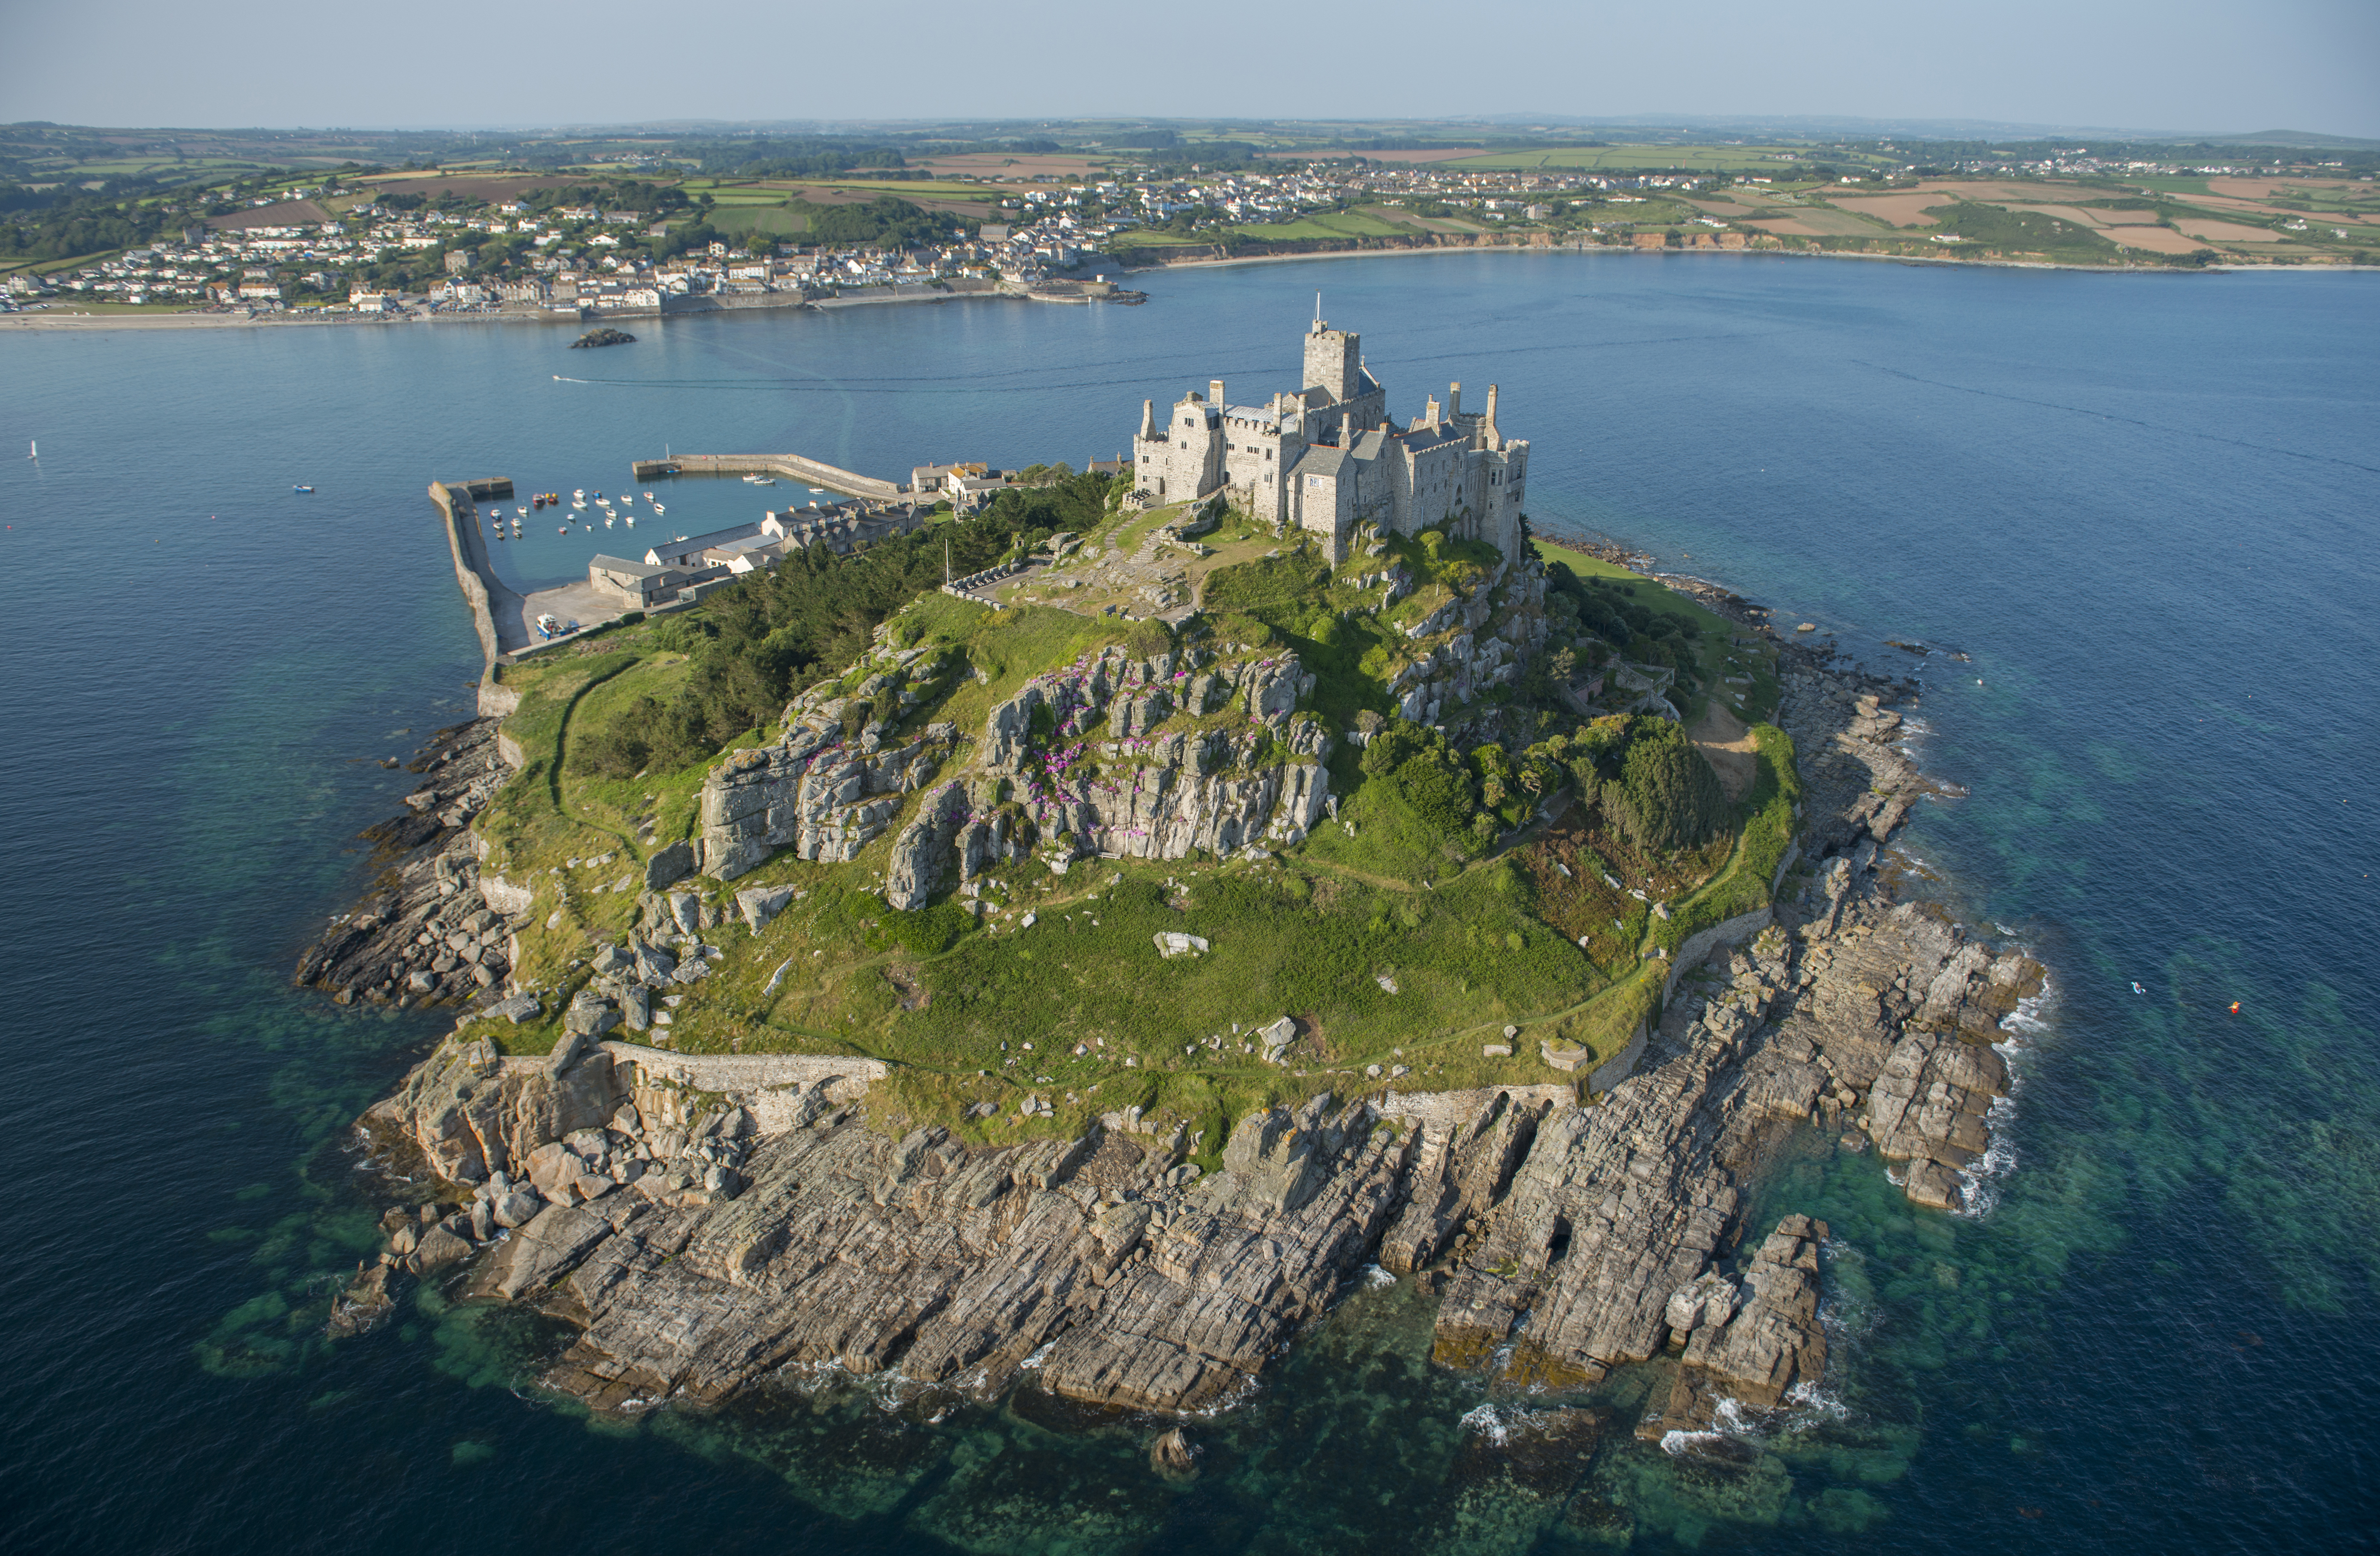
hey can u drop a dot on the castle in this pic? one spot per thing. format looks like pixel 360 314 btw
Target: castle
pixel 1329 459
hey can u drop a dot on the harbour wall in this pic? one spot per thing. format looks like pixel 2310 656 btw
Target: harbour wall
pixel 794 467
pixel 493 602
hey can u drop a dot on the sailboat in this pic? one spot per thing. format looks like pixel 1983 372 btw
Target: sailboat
pixel 36 448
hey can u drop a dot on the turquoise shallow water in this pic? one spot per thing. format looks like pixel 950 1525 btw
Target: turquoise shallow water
pixel 2144 505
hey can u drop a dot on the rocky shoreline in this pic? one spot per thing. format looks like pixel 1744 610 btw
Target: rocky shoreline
pixel 425 932
pixel 710 1223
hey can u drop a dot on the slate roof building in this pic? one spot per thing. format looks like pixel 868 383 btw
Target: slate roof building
pixel 1329 459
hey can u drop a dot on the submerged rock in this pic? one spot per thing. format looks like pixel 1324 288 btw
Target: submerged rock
pixel 1174 1455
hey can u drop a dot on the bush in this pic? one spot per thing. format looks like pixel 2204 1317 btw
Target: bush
pixel 1666 797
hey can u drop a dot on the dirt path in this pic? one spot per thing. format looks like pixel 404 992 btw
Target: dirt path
pixel 1725 740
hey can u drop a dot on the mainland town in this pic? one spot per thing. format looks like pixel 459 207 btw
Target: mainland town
pixel 601 230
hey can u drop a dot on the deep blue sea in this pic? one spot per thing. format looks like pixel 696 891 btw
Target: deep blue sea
pixel 2143 506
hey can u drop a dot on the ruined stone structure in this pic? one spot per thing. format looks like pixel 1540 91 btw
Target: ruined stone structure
pixel 1329 459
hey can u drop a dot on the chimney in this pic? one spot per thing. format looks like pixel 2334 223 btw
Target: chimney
pixel 1495 438
pixel 1429 413
pixel 1215 392
pixel 1454 401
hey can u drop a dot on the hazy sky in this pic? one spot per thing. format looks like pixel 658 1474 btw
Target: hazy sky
pixel 2173 65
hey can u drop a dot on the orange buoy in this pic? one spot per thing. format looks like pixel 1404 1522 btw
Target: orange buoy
pixel 2235 1007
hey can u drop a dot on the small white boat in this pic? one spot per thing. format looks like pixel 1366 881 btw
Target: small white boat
pixel 522 512
pixel 648 496
pixel 581 506
pixel 658 509
pixel 607 521
pixel 632 521
pixel 562 529
pixel 579 491
pixel 818 491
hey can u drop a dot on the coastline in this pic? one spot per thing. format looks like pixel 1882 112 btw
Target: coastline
pixel 26 320
pixel 592 1185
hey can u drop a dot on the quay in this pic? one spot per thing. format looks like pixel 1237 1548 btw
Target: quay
pixel 794 467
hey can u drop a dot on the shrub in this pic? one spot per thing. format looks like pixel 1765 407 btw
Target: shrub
pixel 1667 797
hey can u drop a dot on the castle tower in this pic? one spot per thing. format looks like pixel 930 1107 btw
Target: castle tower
pixel 1148 420
pixel 1333 361
pixel 1495 438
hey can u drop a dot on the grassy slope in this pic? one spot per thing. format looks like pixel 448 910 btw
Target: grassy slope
pixel 1470 944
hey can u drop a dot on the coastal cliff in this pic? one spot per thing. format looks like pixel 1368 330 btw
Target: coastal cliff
pixel 706 1227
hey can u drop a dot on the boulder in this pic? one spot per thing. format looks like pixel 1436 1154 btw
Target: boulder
pixel 439 1250
pixel 516 1009
pixel 669 866
pixel 760 903
pixel 516 1208
pixel 590 1016
pixel 1173 942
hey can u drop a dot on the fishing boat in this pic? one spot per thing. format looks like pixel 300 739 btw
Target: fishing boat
pixel 302 489
pixel 759 480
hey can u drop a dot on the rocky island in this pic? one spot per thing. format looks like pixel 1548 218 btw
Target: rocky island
pixel 1053 995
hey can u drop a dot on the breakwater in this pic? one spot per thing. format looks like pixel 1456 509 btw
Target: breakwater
pixel 498 612
pixel 794 467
